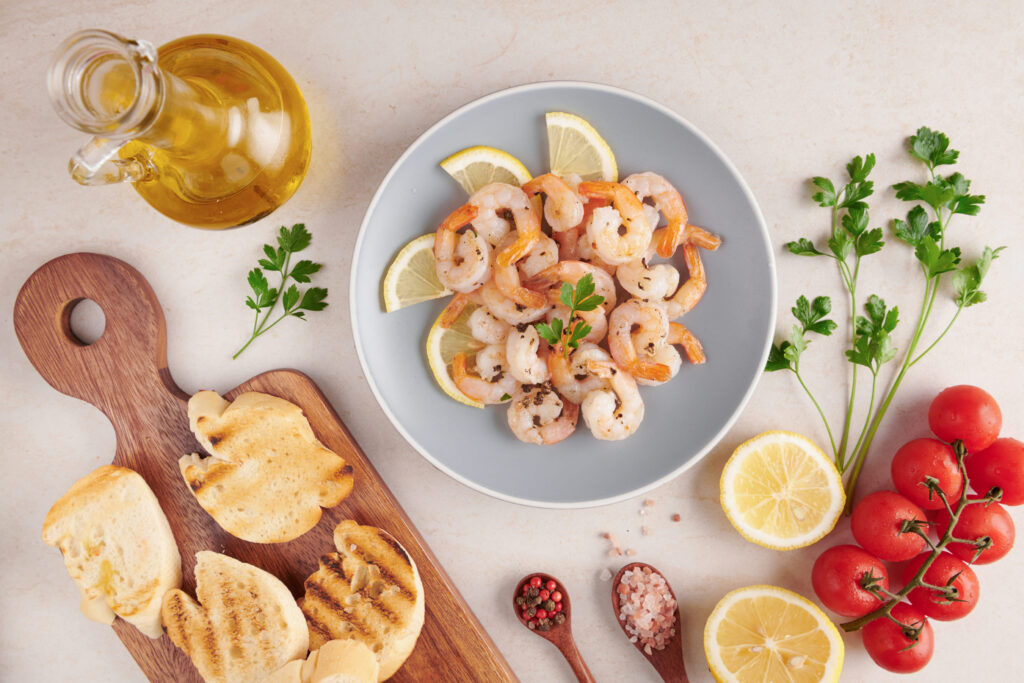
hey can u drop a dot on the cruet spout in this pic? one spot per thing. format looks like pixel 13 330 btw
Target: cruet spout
pixel 109 86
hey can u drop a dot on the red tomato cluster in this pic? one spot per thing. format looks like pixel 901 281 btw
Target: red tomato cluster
pixel 891 526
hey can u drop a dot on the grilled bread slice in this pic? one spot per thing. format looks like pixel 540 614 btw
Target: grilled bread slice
pixel 267 475
pixel 245 626
pixel 368 591
pixel 117 546
pixel 338 661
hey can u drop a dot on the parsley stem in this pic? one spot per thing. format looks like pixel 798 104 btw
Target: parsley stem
pixel 939 338
pixel 796 371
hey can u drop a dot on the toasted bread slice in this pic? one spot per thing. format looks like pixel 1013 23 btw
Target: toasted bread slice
pixel 117 546
pixel 370 591
pixel 245 626
pixel 337 661
pixel 267 476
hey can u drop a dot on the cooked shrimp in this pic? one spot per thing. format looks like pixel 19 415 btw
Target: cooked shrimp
pixel 563 208
pixel 572 376
pixel 538 415
pixel 586 251
pixel 650 346
pixel 485 327
pixel 493 203
pixel 649 319
pixel 669 203
pixel 571 272
pixel 527 357
pixel 543 255
pixel 492 380
pixel 462 260
pixel 615 413
pixel 457 305
pixel 603 228
pixel 651 283
pixel 690 292
pixel 678 334
pixel 508 310
pixel 597 319
pixel 691 234
pixel 506 279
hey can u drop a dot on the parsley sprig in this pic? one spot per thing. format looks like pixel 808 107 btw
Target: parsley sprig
pixel 871 344
pixel 578 299
pixel 294 301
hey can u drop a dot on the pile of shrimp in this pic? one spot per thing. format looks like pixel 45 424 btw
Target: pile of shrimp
pixel 509 249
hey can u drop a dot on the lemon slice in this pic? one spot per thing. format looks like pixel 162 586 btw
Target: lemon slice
pixel 575 147
pixel 766 633
pixel 475 167
pixel 780 491
pixel 411 277
pixel 442 345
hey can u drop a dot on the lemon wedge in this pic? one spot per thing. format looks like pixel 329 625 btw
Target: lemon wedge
pixel 474 167
pixel 766 633
pixel 442 345
pixel 575 147
pixel 781 492
pixel 411 277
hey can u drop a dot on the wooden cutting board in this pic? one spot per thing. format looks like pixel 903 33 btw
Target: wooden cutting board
pixel 124 374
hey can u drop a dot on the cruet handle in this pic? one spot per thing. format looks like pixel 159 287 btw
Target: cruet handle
pixel 97 163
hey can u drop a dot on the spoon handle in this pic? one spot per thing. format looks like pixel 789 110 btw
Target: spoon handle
pixel 575 659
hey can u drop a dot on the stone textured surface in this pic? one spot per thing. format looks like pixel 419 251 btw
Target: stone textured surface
pixel 787 90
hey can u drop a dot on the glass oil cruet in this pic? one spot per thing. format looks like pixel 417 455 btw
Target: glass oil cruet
pixel 210 130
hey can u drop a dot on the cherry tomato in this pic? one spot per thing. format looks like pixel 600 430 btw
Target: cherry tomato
pixel 536 582
pixel 557 596
pixel 876 524
pixel 978 521
pixel 551 585
pixel 922 458
pixel 933 604
pixel 890 647
pixel 837 576
pixel 1002 465
pixel 966 413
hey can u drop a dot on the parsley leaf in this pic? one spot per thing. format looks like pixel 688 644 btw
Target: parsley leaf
pixel 811 315
pixel 935 259
pixel 777 358
pixel 967 280
pixel 827 196
pixel 932 147
pixel 580 298
pixel 873 345
pixel 293 300
pixel 803 247
pixel 916 227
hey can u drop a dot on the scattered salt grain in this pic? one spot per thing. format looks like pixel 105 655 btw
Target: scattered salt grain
pixel 649 502
pixel 630 552
pixel 605 574
pixel 676 517
pixel 645 530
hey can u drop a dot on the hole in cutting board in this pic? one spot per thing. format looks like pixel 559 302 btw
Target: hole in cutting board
pixel 87 321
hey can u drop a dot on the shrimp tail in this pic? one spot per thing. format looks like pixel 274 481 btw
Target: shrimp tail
pixel 454 309
pixel 679 334
pixel 703 238
pixel 459 217
pixel 648 369
pixel 515 252
pixel 670 239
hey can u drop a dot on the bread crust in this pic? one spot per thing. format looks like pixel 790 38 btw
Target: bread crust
pixel 117 546
pixel 370 590
pixel 267 476
pixel 245 625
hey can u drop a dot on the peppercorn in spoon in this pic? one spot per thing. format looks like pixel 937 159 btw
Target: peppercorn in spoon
pixel 542 605
pixel 646 610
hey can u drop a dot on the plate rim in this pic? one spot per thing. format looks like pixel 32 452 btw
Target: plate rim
pixel 357 250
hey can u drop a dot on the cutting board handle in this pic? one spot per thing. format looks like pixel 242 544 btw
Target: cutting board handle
pixel 127 364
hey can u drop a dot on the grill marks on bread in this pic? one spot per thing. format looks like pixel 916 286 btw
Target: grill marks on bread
pixel 368 591
pixel 245 625
pixel 267 476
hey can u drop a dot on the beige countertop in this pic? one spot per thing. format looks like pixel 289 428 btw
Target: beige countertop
pixel 787 90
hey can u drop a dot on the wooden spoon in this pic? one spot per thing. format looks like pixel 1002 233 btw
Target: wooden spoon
pixel 560 635
pixel 668 661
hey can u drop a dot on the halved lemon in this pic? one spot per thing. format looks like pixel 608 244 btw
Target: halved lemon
pixel 780 491
pixel 411 277
pixel 474 167
pixel 442 345
pixel 575 147
pixel 766 633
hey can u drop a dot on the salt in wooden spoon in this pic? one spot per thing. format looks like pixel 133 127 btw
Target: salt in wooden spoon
pixel 561 634
pixel 668 661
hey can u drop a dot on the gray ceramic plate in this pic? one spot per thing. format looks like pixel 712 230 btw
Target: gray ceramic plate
pixel 684 418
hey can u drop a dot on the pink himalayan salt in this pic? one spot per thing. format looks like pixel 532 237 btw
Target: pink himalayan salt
pixel 647 608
